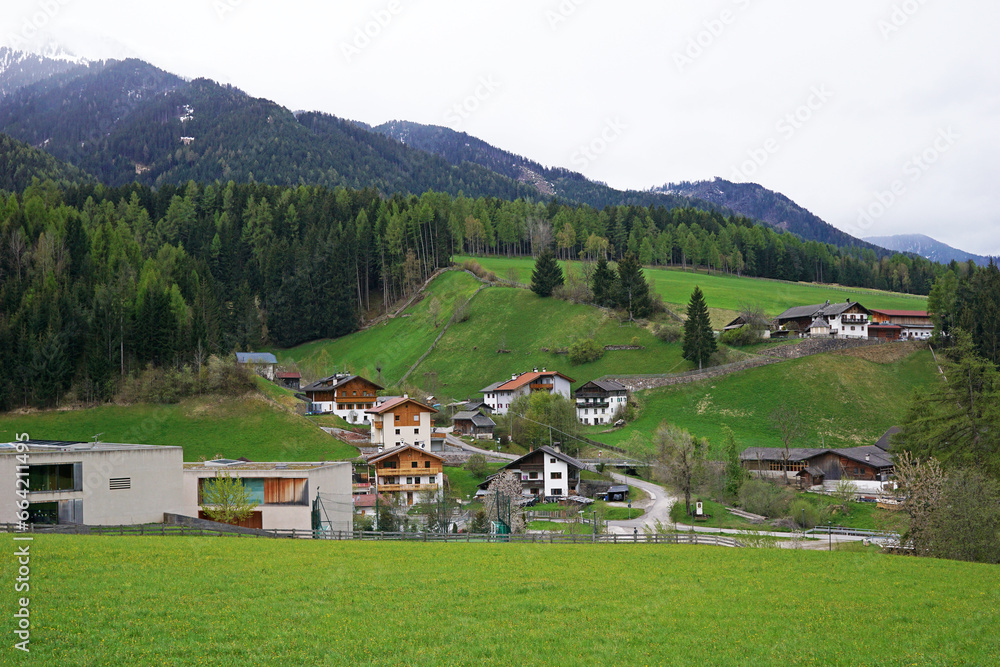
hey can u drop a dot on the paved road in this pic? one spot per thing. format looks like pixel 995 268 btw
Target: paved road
pixel 458 442
pixel 660 502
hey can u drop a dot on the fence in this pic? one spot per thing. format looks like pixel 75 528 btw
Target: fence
pixel 532 538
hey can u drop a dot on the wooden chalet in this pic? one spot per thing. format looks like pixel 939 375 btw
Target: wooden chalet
pixel 911 324
pixel 474 424
pixel 406 471
pixel 347 396
pixel 545 473
pixel 845 320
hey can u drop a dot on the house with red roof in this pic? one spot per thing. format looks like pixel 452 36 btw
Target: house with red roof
pixel 500 395
pixel 401 421
pixel 902 324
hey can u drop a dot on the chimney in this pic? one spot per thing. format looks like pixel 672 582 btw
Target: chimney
pixel 513 376
pixel 543 370
pixel 535 369
pixel 406 395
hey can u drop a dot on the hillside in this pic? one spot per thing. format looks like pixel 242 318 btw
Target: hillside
pixel 844 400
pixel 19 69
pixel 925 246
pixel 20 163
pixel 774 208
pixel 728 292
pixel 253 426
pixel 299 602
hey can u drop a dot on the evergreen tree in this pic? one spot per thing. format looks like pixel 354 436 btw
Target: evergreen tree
pixel 604 284
pixel 547 274
pixel 699 339
pixel 633 291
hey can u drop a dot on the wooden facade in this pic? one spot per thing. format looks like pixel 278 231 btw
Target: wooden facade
pixel 406 471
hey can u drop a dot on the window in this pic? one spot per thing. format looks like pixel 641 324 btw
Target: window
pixel 427 464
pixel 409 480
pixel 415 464
pixel 552 460
pixel 557 492
pixel 416 418
pixel 852 328
pixel 397 417
pixel 555 475
pixel 397 431
pixel 55 477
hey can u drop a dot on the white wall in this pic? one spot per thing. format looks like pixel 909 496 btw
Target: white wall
pixel 559 466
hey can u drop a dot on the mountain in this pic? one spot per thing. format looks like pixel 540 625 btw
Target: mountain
pixel 569 186
pixel 19 68
pixel 925 246
pixel 20 163
pixel 774 208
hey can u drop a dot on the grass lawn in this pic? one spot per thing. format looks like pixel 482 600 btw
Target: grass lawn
pixel 463 483
pixel 862 516
pixel 844 401
pixel 181 601
pixel 395 345
pixel 560 527
pixel 728 292
pixel 250 426
pixel 517 320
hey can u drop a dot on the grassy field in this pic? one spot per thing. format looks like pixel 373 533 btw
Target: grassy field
pixel 728 292
pixel 463 483
pixel 863 516
pixel 186 601
pixel 250 426
pixel 466 359
pixel 395 345
pixel 845 401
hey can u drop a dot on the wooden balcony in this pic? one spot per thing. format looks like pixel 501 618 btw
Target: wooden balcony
pixel 602 404
pixel 409 472
pixel 538 386
pixel 393 488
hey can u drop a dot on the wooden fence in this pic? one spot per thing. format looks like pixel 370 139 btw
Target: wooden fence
pixel 533 538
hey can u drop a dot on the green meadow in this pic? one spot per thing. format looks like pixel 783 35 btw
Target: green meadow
pixel 728 292
pixel 845 401
pixel 227 601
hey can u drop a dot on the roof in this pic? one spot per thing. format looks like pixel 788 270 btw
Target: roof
pixel 334 381
pixel 472 406
pixel 551 452
pixel 822 309
pixel 258 466
pixel 256 358
pixel 812 470
pixel 288 375
pixel 374 458
pixel 368 500
pixel 622 488
pixel 870 454
pixel 876 327
pixel 63 446
pixel 395 403
pixel 606 385
pixel 475 417
pixel 819 323
pixel 886 439
pixel 901 313
pixel 523 379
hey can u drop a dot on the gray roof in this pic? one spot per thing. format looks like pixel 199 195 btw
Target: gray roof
pixel 492 387
pixel 472 406
pixel 819 323
pixel 812 470
pixel 551 452
pixel 876 457
pixel 476 418
pixel 256 358
pixel 885 441
pixel 334 381
pixel 623 488
pixel 606 385
pixel 821 309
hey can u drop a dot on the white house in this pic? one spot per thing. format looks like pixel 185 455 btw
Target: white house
pixel 500 395
pixel 599 401
pixel 845 320
pixel 262 363
pixel 545 473
pixel 285 493
pixel 92 483
pixel 401 421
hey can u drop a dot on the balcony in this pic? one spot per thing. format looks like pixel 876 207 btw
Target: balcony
pixel 854 319
pixel 602 404
pixel 539 386
pixel 409 472
pixel 392 488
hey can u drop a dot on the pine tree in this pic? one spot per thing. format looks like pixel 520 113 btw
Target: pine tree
pixel 604 284
pixel 699 339
pixel 547 274
pixel 633 291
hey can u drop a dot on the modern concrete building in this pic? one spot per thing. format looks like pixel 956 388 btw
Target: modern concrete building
pixel 93 483
pixel 286 493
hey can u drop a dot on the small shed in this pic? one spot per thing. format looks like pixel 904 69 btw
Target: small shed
pixel 617 493
pixel 819 327
pixel 474 424
pixel 262 363
pixel 289 379
pixel 810 476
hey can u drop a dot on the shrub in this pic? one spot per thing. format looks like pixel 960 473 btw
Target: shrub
pixel 764 498
pixel 169 385
pixel 669 333
pixel 634 342
pixel 740 337
pixel 585 351
pixel 812 515
pixel 476 466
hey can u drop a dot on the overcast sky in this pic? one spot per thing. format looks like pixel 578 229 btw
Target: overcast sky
pixel 887 107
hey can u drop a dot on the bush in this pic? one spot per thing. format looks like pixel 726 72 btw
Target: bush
pixel 812 514
pixel 476 466
pixel 740 337
pixel 480 524
pixel 634 342
pixel 169 385
pixel 463 312
pixel 585 351
pixel 669 333
pixel 760 497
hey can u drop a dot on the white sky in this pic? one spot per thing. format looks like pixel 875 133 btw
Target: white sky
pixel 564 73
